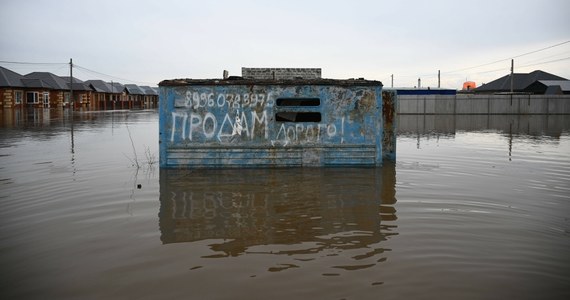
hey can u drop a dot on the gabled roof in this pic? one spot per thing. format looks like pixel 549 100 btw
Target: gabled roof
pixel 564 84
pixel 78 85
pixel 9 78
pixel 55 82
pixel 134 89
pixel 148 90
pixel 99 86
pixel 35 83
pixel 520 81
pixel 116 87
pixel 75 80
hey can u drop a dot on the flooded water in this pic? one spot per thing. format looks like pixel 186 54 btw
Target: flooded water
pixel 476 207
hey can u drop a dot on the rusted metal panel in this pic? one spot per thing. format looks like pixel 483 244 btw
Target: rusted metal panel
pixel 241 123
pixel 389 110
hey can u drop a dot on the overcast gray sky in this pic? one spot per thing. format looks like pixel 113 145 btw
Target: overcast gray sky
pixel 148 41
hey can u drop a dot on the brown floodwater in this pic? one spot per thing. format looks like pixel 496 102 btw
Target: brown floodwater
pixel 475 207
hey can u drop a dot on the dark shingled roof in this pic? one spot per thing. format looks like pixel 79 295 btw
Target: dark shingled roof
pixel 521 82
pixel 234 80
pixel 116 87
pixel 148 90
pixel 78 85
pixel 55 82
pixel 35 83
pixel 99 86
pixel 134 89
pixel 10 78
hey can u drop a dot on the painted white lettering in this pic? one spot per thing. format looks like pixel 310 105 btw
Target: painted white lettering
pixel 184 117
pixel 282 130
pixel 211 101
pixel 212 132
pixel 221 100
pixel 331 130
pixel 237 101
pixel 225 123
pixel 299 130
pixel 238 127
pixel 291 134
pixel 196 99
pixel 193 124
pixel 262 121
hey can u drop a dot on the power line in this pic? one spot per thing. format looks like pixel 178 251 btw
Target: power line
pixel 546 62
pixel 549 47
pixel 29 63
pixel 109 76
pixel 62 65
pixel 549 56
pixel 506 59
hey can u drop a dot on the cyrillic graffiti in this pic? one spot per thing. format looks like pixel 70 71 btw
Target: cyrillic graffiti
pixel 189 124
pixel 192 125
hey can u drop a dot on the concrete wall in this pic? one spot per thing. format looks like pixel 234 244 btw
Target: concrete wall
pixel 484 104
pixel 532 125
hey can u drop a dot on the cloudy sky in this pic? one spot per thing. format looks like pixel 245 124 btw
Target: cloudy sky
pixel 145 42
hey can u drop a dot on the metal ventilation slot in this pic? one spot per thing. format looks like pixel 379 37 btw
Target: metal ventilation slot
pixel 298 102
pixel 298 117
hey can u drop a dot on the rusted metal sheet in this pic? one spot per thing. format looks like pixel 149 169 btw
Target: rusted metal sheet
pixel 389 110
pixel 252 123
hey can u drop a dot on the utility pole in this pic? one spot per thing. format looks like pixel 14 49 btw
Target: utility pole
pixel 438 79
pixel 512 75
pixel 392 76
pixel 71 83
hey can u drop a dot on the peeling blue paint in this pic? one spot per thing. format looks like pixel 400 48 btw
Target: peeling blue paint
pixel 253 123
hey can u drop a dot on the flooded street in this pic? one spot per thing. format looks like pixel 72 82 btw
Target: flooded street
pixel 476 207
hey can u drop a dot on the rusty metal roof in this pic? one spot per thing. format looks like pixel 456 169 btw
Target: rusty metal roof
pixel 235 80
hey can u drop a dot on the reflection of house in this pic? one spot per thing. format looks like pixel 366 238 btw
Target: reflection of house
pixel 44 89
pixel 521 82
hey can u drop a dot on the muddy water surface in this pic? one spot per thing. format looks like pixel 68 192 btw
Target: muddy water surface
pixel 474 208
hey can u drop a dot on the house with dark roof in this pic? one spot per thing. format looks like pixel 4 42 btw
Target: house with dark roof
pixel 17 90
pixel 56 96
pixel 101 94
pixel 522 83
pixel 11 88
pixel 150 96
pixel 82 93
pixel 135 95
pixel 550 87
pixel 107 95
pixel 44 89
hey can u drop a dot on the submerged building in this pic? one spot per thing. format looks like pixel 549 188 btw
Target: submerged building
pixel 275 117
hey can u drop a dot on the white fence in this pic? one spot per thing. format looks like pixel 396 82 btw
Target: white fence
pixel 484 104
